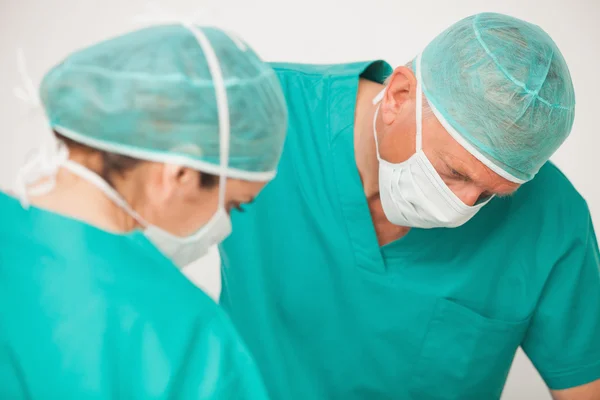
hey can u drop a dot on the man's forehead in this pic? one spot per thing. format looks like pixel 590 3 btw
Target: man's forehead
pixel 457 158
pixel 470 167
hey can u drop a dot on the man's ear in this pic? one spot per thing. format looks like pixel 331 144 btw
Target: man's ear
pixel 401 88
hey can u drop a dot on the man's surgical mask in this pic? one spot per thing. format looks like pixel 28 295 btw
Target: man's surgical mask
pixel 412 192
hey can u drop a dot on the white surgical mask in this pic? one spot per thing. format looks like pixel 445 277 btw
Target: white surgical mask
pixel 412 192
pixel 181 250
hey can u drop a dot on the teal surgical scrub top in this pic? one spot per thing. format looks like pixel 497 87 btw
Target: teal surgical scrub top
pixel 86 314
pixel 438 314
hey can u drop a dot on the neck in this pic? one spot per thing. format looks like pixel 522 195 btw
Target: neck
pixel 74 197
pixel 365 151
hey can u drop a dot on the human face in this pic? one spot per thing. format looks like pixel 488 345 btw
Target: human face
pixel 172 198
pixel 466 176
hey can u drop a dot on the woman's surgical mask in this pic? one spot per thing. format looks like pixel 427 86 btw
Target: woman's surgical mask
pixel 412 192
pixel 181 250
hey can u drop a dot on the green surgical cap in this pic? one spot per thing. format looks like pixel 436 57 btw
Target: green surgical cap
pixel 150 95
pixel 502 89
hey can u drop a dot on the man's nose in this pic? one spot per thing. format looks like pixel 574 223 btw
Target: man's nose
pixel 470 195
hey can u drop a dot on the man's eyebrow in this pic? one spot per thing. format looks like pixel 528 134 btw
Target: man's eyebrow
pixel 444 157
pixel 455 171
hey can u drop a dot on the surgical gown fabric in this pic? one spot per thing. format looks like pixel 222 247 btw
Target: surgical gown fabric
pixel 86 314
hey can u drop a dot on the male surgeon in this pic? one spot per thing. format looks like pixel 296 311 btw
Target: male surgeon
pixel 416 235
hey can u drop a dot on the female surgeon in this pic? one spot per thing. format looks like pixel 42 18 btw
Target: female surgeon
pixel 160 133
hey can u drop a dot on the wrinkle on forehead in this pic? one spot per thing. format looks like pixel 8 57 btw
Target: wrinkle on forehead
pixel 439 142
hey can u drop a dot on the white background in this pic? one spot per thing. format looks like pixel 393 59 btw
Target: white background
pixel 317 31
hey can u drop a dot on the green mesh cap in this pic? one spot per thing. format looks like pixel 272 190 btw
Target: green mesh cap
pixel 150 95
pixel 502 89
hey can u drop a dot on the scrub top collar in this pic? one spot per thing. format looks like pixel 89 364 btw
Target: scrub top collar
pixel 369 255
